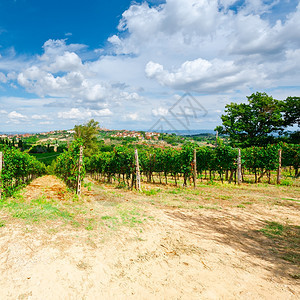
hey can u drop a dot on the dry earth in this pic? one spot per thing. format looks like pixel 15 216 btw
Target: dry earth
pixel 174 253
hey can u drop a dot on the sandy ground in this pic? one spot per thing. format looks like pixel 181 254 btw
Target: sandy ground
pixel 180 254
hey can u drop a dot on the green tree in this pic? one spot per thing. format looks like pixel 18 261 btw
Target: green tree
pixel 88 134
pixel 291 111
pixel 255 122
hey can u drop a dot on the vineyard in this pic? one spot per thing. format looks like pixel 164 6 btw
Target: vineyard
pixel 18 168
pixel 163 165
pixel 218 163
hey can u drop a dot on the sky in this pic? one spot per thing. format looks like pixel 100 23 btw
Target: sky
pixel 142 65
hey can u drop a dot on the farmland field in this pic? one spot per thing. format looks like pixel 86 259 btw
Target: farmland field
pixel 213 242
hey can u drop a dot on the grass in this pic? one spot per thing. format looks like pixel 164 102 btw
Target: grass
pixel 151 192
pixel 2 223
pixel 286 240
pixel 124 216
pixel 35 210
pixel 273 229
pixel 72 211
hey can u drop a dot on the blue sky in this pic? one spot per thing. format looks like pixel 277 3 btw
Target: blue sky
pixel 127 63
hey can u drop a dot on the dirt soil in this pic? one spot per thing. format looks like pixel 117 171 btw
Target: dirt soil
pixel 177 253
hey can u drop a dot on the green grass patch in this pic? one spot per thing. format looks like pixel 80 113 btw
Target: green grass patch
pixel 286 240
pixel 175 191
pixel 151 192
pixel 35 210
pixel 208 207
pixel 90 224
pixel 291 199
pixel 286 182
pixel 273 229
pixel 2 223
pixel 241 206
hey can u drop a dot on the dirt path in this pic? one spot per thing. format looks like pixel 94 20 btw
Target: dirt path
pixel 175 254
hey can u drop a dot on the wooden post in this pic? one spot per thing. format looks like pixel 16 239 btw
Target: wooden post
pixel 195 168
pixel 239 167
pixel 79 171
pixel 279 167
pixel 1 158
pixel 137 166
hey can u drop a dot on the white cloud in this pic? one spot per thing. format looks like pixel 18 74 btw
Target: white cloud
pixel 133 117
pixel 204 76
pixel 16 117
pixel 160 111
pixel 236 49
pixel 2 111
pixel 77 114
pixel 76 80
pixel 39 117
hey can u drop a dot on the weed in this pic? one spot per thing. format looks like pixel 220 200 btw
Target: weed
pixel 175 191
pixel 290 199
pixel 88 185
pixel 121 185
pixel 286 182
pixel 272 229
pixel 151 192
pixel 224 197
pixel 286 240
pixel 208 207
pixel 90 224
pixel 108 218
pixel 2 223
pixel 241 206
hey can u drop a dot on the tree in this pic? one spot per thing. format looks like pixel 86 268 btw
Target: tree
pixel 88 134
pixel 291 111
pixel 255 122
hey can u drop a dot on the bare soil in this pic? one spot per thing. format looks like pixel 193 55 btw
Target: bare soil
pixel 201 244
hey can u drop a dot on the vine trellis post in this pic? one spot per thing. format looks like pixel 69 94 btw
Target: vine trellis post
pixel 79 171
pixel 195 168
pixel 239 167
pixel 279 167
pixel 137 166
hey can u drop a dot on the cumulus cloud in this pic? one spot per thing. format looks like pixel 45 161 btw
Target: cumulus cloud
pixel 39 117
pixel 61 73
pixel 217 48
pixel 204 76
pixel 77 114
pixel 160 112
pixel 16 117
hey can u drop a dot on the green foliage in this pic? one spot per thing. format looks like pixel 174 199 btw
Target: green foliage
pixel 291 110
pixel 66 166
pixel 120 163
pixel 254 123
pixel 18 169
pixel 46 158
pixel 87 134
